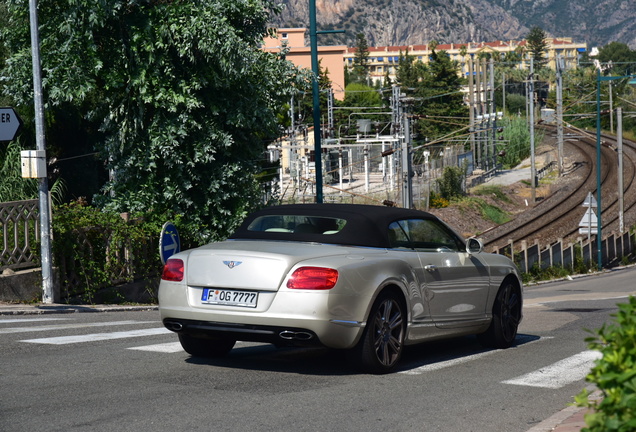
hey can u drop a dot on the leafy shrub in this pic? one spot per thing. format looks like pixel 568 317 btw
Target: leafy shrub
pixel 437 201
pixel 451 184
pixel 96 250
pixel 537 273
pixel 614 374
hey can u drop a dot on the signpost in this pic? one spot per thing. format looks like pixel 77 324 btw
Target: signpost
pixel 589 221
pixel 10 124
pixel 169 243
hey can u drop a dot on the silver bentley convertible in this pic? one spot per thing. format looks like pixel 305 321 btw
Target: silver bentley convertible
pixel 363 278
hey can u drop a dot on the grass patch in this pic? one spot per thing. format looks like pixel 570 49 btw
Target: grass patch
pixel 495 191
pixel 494 214
pixel 488 211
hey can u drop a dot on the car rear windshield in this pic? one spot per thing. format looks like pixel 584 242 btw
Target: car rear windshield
pixel 297 224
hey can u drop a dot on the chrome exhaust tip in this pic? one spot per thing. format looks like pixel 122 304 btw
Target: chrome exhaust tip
pixel 174 326
pixel 292 335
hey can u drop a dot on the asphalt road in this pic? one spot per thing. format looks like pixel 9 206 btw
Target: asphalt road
pixel 121 371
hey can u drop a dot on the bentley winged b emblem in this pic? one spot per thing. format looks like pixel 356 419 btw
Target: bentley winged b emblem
pixel 232 264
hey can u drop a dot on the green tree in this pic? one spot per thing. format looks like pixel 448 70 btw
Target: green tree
pixel 537 44
pixel 360 70
pixel 184 97
pixel 440 98
pixel 622 57
pixel 410 71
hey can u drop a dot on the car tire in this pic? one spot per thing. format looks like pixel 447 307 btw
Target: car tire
pixel 205 347
pixel 382 343
pixel 506 315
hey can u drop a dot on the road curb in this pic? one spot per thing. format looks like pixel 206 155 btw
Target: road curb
pixel 42 309
pixel 569 419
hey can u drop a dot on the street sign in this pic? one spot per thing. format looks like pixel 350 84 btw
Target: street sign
pixel 589 201
pixel 10 123
pixel 169 243
pixel 589 222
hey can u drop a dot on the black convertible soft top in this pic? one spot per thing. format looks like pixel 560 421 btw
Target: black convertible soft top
pixel 366 225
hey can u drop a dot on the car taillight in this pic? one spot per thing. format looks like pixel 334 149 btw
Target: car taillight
pixel 173 270
pixel 313 278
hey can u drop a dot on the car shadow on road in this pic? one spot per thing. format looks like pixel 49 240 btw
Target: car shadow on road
pixel 440 354
pixel 329 362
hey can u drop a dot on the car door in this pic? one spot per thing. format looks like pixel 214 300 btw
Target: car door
pixel 456 282
pixel 403 250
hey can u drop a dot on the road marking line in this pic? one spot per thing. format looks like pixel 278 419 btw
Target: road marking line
pixel 171 347
pixel 70 326
pixel 448 363
pixel 521 340
pixel 559 374
pixel 15 320
pixel 62 340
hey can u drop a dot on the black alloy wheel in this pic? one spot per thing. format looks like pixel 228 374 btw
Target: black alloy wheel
pixel 383 340
pixel 506 316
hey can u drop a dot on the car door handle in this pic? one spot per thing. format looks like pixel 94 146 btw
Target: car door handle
pixel 431 268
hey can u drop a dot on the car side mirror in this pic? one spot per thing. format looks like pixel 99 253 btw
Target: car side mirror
pixel 474 246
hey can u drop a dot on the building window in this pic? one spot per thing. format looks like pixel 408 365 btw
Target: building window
pixel 283 35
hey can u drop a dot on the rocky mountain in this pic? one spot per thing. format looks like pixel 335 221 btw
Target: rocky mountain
pixel 406 22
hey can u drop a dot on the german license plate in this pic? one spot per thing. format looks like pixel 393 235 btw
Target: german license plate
pixel 229 297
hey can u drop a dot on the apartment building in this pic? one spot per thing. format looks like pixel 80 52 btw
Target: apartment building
pixel 384 60
pixel 330 57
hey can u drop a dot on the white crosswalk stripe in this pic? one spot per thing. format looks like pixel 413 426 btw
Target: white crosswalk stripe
pixel 448 363
pixel 521 339
pixel 21 320
pixel 559 374
pixel 554 376
pixel 69 326
pixel 62 340
pixel 171 347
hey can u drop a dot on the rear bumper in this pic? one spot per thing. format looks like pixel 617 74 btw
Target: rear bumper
pixel 294 332
pixel 286 336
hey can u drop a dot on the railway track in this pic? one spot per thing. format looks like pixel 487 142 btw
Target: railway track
pixel 557 217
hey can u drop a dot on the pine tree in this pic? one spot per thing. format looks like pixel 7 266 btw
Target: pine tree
pixel 537 44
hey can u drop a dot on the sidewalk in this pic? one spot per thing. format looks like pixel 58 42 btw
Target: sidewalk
pixel 570 419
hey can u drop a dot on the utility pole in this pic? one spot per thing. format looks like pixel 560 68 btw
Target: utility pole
pixel 330 122
pixel 611 108
pixel 503 92
pixel 315 68
pixel 619 140
pixel 478 109
pixel 492 118
pixel 407 167
pixel 559 110
pixel 484 111
pixel 471 108
pixel 313 37
pixel 533 169
pixel 43 186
